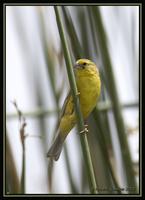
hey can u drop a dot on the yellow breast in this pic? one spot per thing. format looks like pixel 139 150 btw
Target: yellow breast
pixel 89 87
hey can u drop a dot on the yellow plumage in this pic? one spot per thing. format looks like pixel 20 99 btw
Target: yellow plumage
pixel 89 86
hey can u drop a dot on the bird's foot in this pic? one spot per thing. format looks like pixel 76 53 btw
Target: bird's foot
pixel 85 130
pixel 78 93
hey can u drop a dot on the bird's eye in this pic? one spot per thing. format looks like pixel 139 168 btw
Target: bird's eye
pixel 83 65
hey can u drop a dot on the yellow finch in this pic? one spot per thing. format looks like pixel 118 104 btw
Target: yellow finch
pixel 89 86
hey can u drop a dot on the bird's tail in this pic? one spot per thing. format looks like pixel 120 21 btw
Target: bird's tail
pixel 56 148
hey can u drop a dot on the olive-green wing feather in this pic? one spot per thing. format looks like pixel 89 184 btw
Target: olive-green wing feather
pixel 67 109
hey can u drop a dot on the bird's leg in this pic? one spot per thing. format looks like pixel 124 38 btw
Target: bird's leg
pixel 78 93
pixel 85 123
pixel 85 130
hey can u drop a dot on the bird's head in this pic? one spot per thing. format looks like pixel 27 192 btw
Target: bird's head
pixel 85 65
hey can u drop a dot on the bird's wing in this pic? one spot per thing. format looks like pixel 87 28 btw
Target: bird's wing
pixel 67 108
pixel 67 99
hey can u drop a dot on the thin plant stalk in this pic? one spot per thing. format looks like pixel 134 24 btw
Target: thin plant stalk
pixel 72 184
pixel 12 180
pixel 80 122
pixel 23 170
pixel 101 106
pixel 22 124
pixel 128 167
pixel 75 43
pixel 103 146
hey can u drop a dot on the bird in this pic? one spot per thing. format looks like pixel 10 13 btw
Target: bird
pixel 89 87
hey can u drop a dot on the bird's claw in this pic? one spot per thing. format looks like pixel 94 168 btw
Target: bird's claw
pixel 85 130
pixel 78 93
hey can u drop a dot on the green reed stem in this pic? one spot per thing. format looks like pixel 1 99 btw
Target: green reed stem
pixel 80 122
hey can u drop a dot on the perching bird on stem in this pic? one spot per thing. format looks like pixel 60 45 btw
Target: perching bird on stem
pixel 89 86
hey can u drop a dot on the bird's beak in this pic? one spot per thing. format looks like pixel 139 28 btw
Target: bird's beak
pixel 77 66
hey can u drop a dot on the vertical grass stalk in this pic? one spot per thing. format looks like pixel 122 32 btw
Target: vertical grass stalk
pixel 126 157
pixel 12 179
pixel 23 169
pixel 80 122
